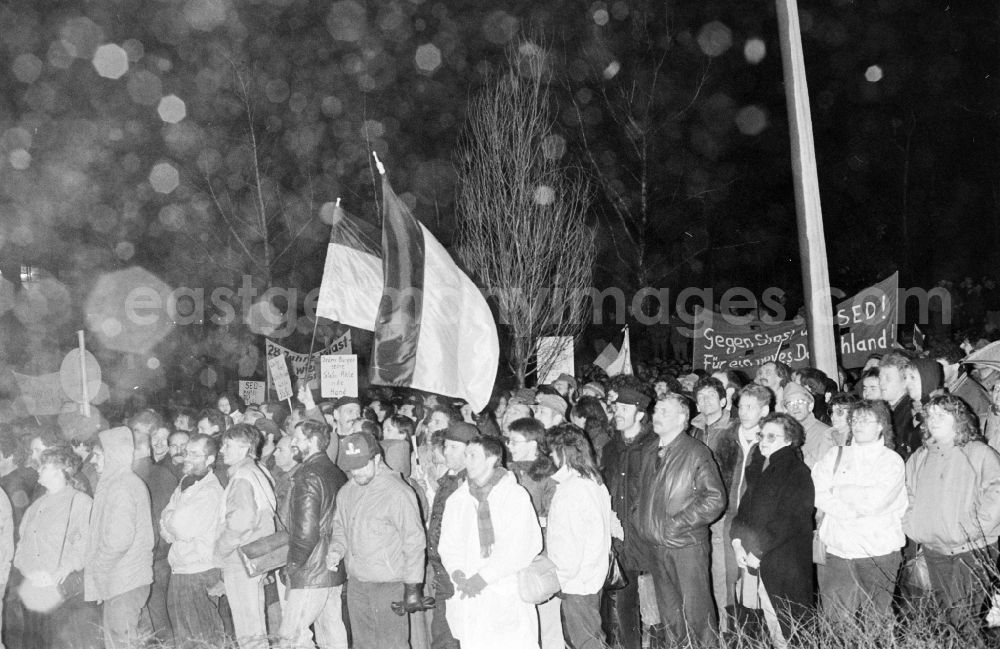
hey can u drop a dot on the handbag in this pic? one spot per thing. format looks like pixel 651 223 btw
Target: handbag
pixel 538 582
pixel 72 586
pixel 819 547
pixel 616 579
pixel 265 554
pixel 915 572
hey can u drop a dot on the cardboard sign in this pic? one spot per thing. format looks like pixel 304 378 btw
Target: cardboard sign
pixel 867 322
pixel 277 366
pixel 42 394
pixel 252 392
pixel 339 375
pixel 554 357
pixel 724 342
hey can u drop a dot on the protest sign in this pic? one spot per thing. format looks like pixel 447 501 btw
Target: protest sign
pixel 867 322
pixel 277 367
pixel 554 357
pixel 41 394
pixel 301 366
pixel 339 375
pixel 739 343
pixel 252 392
pixel 341 345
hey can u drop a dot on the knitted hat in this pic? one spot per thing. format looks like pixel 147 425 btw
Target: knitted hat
pixel 793 391
pixel 553 402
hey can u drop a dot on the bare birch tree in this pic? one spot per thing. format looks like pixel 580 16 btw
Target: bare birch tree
pixel 521 208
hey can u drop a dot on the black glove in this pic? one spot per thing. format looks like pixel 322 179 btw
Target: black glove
pixel 413 600
pixel 473 586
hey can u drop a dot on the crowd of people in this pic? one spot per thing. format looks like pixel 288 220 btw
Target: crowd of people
pixel 632 512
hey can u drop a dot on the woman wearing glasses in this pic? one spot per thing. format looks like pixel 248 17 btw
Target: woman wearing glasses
pixel 772 531
pixel 861 499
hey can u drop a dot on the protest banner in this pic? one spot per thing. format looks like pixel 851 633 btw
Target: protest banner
pixel 41 394
pixel 338 375
pixel 867 322
pixel 302 368
pixel 554 357
pixel 739 343
pixel 277 367
pixel 252 392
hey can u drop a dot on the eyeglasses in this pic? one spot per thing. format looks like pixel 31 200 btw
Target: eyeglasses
pixel 770 437
pixel 796 402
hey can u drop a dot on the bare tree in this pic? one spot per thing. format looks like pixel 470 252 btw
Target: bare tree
pixel 521 209
pixel 259 224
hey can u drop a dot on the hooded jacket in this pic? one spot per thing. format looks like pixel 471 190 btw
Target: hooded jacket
pixel 119 555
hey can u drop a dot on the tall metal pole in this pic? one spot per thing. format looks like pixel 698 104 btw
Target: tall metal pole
pixel 812 244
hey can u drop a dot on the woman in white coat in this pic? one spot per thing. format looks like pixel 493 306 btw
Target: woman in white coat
pixel 861 496
pixel 578 539
pixel 488 533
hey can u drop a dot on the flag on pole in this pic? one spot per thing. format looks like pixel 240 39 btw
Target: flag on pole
pixel 918 339
pixel 352 276
pixel 433 328
pixel 606 357
pixel 623 363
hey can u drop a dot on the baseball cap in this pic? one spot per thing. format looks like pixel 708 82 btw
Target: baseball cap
pixel 356 450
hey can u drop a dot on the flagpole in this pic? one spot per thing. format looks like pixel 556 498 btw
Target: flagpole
pixel 812 244
pixel 85 405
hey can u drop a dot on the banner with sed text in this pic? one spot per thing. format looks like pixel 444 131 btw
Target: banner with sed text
pixel 867 322
pixel 739 343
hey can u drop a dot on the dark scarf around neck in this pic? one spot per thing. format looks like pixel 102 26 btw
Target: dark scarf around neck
pixel 485 521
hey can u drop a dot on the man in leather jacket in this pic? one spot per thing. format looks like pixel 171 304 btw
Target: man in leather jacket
pixel 313 590
pixel 681 494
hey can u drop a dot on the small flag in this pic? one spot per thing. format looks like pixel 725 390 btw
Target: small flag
pixel 623 363
pixel 918 339
pixel 606 357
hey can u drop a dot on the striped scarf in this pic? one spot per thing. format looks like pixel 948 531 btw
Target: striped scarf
pixel 483 518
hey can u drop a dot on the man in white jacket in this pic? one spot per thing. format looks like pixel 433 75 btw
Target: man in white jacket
pixel 190 523
pixel 489 533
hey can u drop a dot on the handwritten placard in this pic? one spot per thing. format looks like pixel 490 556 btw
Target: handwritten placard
pixel 339 375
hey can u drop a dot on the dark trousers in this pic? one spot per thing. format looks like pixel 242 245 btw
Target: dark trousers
pixel 960 584
pixel 195 613
pixel 581 617
pixel 441 637
pixel 845 585
pixel 74 624
pixel 373 623
pixel 683 581
pixel 620 614
pixel 156 608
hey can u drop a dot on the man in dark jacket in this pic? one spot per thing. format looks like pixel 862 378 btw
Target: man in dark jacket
pixel 161 483
pixel 681 494
pixel 892 371
pixel 456 439
pixel 622 459
pixel 313 590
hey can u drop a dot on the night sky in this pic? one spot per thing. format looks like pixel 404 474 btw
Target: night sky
pixel 134 133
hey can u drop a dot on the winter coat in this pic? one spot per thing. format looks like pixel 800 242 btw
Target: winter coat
pixel 313 502
pixel 447 485
pixel 377 530
pixel 820 438
pixel 863 503
pixel 161 482
pixel 578 536
pixel 954 497
pixel 246 513
pixel 905 435
pixel 621 470
pixel 190 524
pixel 680 494
pixel 775 523
pixel 119 555
pixel 497 618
